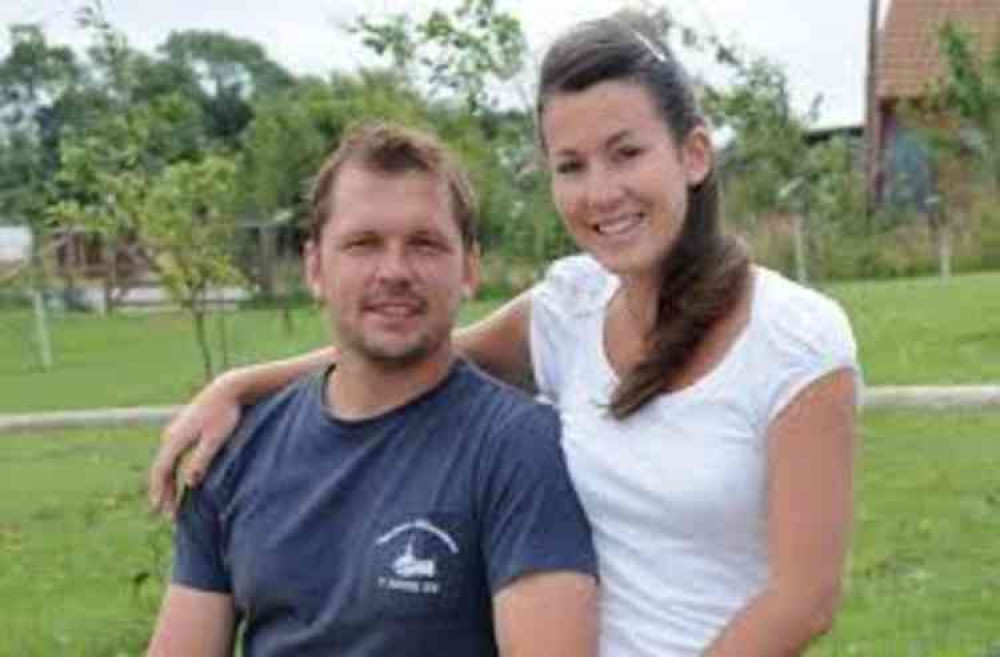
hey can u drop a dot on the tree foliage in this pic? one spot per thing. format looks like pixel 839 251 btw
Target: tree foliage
pixel 970 93
pixel 111 139
pixel 36 81
pixel 465 52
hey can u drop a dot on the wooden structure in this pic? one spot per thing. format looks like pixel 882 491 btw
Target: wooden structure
pixel 909 64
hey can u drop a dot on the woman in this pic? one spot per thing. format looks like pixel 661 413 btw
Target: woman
pixel 708 404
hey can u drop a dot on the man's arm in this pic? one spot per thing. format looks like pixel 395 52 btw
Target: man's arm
pixel 194 623
pixel 545 614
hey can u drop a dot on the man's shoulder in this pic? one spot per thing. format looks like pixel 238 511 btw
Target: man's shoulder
pixel 484 394
pixel 260 420
pixel 508 418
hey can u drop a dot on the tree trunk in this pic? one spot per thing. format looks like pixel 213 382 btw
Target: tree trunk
pixel 109 276
pixel 223 326
pixel 799 236
pixel 940 226
pixel 287 322
pixel 267 252
pixel 539 247
pixel 201 336
pixel 37 285
pixel 944 251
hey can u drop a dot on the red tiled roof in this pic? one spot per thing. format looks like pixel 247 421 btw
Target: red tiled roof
pixel 909 56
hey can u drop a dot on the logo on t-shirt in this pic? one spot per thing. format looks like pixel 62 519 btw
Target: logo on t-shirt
pixel 416 557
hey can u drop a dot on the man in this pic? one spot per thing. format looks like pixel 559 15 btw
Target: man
pixel 400 503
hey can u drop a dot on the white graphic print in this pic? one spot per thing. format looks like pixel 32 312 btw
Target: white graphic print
pixel 407 565
pixel 416 567
pixel 420 524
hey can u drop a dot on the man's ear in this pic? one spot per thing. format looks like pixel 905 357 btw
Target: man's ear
pixel 697 155
pixel 312 269
pixel 473 271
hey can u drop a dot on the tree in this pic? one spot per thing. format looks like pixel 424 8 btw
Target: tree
pixel 961 122
pixel 970 91
pixel 465 53
pixel 34 78
pixel 140 177
pixel 229 73
pixel 768 153
pixel 180 220
pixel 187 221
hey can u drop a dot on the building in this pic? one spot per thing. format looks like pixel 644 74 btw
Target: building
pixel 910 63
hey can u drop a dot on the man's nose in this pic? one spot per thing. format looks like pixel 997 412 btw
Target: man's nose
pixel 394 264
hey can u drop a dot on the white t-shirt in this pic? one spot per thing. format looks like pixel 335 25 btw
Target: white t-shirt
pixel 676 493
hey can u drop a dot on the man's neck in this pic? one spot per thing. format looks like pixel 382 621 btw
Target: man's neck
pixel 359 388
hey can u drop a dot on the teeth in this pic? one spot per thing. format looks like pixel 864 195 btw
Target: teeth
pixel 619 225
pixel 396 311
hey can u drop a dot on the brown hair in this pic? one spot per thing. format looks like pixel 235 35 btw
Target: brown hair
pixel 703 276
pixel 392 149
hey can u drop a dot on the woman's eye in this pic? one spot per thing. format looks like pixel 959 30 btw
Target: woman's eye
pixel 629 152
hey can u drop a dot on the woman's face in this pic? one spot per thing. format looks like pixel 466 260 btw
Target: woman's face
pixel 618 178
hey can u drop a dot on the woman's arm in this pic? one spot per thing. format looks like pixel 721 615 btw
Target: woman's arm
pixel 498 343
pixel 810 454
pixel 208 420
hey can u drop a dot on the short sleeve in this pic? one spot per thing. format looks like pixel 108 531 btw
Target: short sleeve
pixel 572 288
pixel 810 337
pixel 532 518
pixel 198 559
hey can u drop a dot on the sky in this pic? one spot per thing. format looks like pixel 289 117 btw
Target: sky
pixel 820 44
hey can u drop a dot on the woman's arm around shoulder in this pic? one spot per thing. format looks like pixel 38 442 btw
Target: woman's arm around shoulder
pixel 500 342
pixel 207 421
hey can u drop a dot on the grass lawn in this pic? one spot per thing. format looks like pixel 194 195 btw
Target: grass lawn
pixel 83 562
pixel 138 359
pixel 909 331
pixel 925 569
pixel 925 330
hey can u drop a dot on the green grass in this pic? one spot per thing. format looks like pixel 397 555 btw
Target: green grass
pixel 133 360
pixel 925 330
pixel 914 331
pixel 82 563
pixel 925 569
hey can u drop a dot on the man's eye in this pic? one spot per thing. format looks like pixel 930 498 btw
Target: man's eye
pixel 427 245
pixel 568 167
pixel 359 244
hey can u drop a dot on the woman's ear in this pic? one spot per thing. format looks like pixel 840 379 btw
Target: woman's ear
pixel 697 155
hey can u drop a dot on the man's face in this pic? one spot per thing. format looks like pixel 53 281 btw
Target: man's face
pixel 390 266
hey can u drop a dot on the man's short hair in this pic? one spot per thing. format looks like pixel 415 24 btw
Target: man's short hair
pixel 385 148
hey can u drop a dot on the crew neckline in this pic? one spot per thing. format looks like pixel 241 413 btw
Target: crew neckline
pixel 456 369
pixel 710 379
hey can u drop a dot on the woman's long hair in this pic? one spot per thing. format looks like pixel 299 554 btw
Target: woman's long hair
pixel 703 276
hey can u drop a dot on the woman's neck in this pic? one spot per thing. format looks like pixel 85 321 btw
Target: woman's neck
pixel 638 299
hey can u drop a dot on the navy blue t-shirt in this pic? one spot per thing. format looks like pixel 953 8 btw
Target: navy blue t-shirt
pixel 386 536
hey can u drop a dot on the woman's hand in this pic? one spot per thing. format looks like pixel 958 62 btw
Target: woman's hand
pixel 203 425
pixel 207 422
